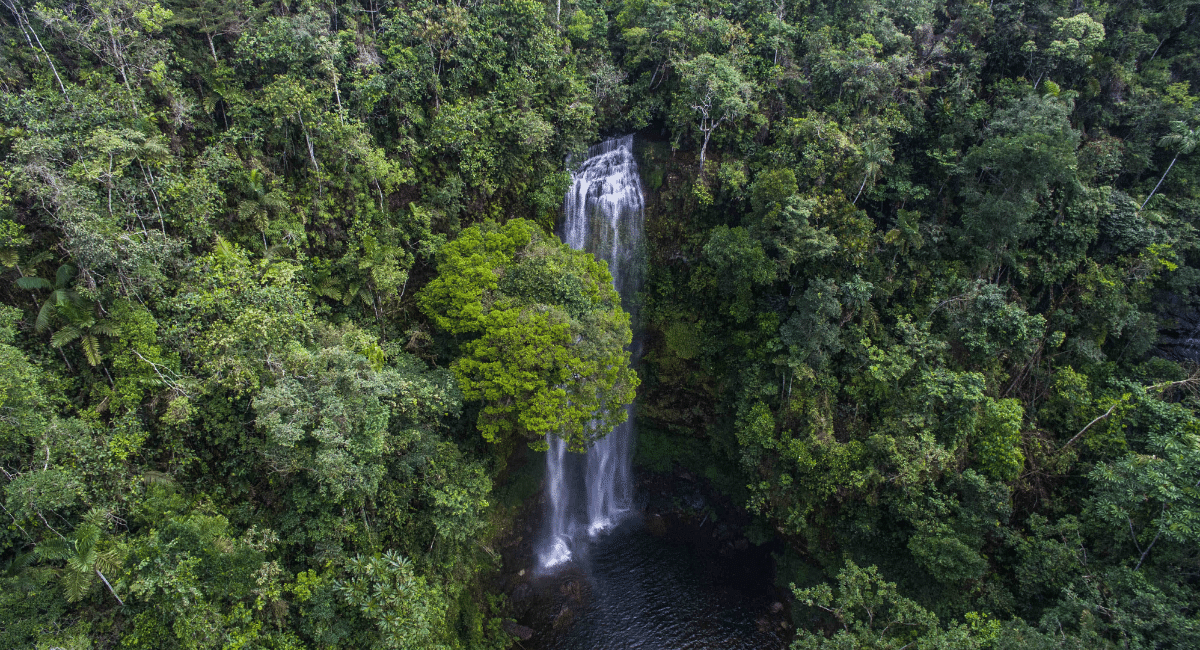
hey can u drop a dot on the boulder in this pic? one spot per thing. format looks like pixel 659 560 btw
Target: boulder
pixel 520 631
pixel 521 592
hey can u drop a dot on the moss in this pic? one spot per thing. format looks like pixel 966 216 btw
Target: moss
pixel 654 178
pixel 523 481
pixel 661 451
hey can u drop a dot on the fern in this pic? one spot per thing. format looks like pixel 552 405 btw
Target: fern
pixel 64 335
pixel 43 317
pixel 31 283
pixel 64 275
pixel 107 328
pixel 91 349
pixel 84 560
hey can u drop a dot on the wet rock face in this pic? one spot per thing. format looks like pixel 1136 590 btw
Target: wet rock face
pixel 545 605
pixel 520 631
pixel 521 593
pixel 1180 340
pixel 521 599
pixel 694 501
pixel 571 590
pixel 1182 344
pixel 656 526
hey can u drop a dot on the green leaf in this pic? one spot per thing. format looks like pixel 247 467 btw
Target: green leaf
pixel 30 283
pixel 64 336
pixel 91 349
pixel 64 275
pixel 43 318
pixel 107 328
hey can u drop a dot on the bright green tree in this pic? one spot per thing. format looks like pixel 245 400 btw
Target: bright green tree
pixel 547 335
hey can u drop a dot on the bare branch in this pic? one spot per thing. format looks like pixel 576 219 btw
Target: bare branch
pixel 1089 424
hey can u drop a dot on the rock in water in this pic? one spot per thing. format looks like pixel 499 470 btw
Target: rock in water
pixel 520 631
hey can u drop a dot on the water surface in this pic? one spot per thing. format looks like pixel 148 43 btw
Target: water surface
pixel 649 593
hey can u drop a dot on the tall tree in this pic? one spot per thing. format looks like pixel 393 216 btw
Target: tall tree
pixel 714 90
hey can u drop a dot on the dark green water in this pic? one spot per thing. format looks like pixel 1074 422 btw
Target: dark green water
pixel 648 593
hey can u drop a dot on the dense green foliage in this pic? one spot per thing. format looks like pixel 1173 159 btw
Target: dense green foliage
pixel 274 273
pixel 551 355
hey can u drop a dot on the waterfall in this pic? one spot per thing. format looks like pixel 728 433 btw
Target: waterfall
pixel 604 213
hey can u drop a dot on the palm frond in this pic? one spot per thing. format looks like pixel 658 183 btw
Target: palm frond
pixel 65 274
pixel 276 200
pixel 54 549
pixel 274 250
pixel 17 564
pixel 77 585
pixel 89 533
pixel 154 148
pixel 76 315
pixel 38 259
pixel 108 561
pixel 64 336
pixel 97 518
pixel 107 328
pixel 43 318
pixel 248 210
pixel 30 283
pixel 63 297
pixel 83 559
pixel 1180 137
pixel 91 349
pixel 327 289
pixel 225 250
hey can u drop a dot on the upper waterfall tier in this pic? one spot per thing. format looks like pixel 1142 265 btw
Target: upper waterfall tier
pixel 604 212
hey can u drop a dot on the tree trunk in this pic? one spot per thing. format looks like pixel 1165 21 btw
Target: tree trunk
pixel 1160 181
pixel 110 589
pixel 712 126
pixel 312 156
pixel 338 93
pixel 120 61
pixel 24 24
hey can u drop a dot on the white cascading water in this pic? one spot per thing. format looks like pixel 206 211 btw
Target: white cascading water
pixel 604 214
